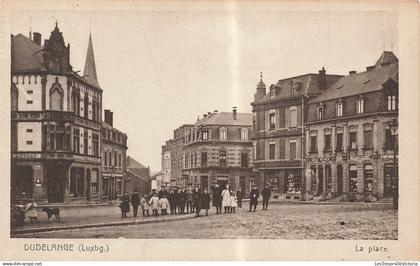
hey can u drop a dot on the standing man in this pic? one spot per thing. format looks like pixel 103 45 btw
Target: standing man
pixel 239 197
pixel 163 192
pixel 266 193
pixel 135 200
pixel 217 198
pixel 190 207
pixel 253 198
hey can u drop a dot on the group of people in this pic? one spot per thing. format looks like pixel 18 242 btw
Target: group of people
pixel 191 200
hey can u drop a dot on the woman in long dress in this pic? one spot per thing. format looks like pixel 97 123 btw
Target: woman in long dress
pixel 226 193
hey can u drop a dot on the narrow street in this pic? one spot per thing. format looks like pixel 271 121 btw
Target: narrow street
pixel 280 221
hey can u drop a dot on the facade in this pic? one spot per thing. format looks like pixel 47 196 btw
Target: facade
pixel 279 130
pixel 156 181
pixel 138 177
pixel 55 121
pixel 114 152
pixel 349 144
pixel 173 151
pixel 218 149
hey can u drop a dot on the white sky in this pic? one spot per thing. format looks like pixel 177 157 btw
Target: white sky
pixel 160 69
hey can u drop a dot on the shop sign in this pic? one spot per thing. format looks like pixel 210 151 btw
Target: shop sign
pixel 389 156
pixel 360 158
pixel 27 156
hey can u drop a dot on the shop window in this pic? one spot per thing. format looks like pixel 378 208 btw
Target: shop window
pixel 313 178
pixel 272 151
pixel 274 184
pixel 242 183
pixel 353 178
pixel 368 177
pixel 293 183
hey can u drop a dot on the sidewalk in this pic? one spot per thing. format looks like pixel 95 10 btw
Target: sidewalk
pixel 90 216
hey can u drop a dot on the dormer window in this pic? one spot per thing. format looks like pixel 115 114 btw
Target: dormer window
pixel 205 134
pixel 223 133
pixel 244 134
pixel 360 105
pixel 339 109
pixel 392 102
pixel 320 112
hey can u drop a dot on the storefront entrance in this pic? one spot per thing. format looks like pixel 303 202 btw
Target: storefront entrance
pixel 320 179
pixel 22 182
pixel 339 179
pixel 388 174
pixel 56 176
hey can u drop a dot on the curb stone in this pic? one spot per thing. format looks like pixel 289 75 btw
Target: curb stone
pixel 95 225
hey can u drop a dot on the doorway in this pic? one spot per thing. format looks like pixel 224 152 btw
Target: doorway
pixel 339 179
pixel 320 179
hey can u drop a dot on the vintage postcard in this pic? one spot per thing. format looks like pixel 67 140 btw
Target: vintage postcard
pixel 210 130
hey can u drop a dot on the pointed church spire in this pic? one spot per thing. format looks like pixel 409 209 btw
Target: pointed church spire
pixel 89 72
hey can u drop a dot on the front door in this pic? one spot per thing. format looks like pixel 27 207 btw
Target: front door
pixel 339 179
pixel 320 179
pixel 388 174
pixel 56 173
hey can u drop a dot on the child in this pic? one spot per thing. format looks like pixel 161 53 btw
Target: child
pixel 31 211
pixel 164 204
pixel 154 203
pixel 233 202
pixel 205 201
pixel 144 205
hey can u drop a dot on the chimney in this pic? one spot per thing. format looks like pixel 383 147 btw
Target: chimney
pixel 234 113
pixel 352 72
pixel 369 68
pixel 37 38
pixel 109 117
pixel 322 81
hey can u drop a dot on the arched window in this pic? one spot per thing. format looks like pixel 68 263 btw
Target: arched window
pixel 56 96
pixel 222 133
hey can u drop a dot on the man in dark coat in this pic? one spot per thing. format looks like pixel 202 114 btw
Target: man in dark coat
pixel 163 192
pixel 239 197
pixel 205 201
pixel 135 201
pixel 266 193
pixel 125 205
pixel 253 198
pixel 172 201
pixel 217 198
pixel 196 195
pixel 182 198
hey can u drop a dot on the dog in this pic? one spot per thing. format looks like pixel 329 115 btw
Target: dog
pixel 50 212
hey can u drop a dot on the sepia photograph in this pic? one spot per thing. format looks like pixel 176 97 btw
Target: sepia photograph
pixel 204 121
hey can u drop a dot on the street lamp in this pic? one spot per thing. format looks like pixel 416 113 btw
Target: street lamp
pixel 393 125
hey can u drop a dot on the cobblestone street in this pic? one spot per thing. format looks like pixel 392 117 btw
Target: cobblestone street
pixel 281 221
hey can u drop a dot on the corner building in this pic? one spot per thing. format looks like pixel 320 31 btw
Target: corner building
pixel 218 150
pixel 279 129
pixel 55 121
pixel 348 137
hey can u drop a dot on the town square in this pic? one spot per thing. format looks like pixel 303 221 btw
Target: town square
pixel 302 149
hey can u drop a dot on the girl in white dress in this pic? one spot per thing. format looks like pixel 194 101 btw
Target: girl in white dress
pixel 226 193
